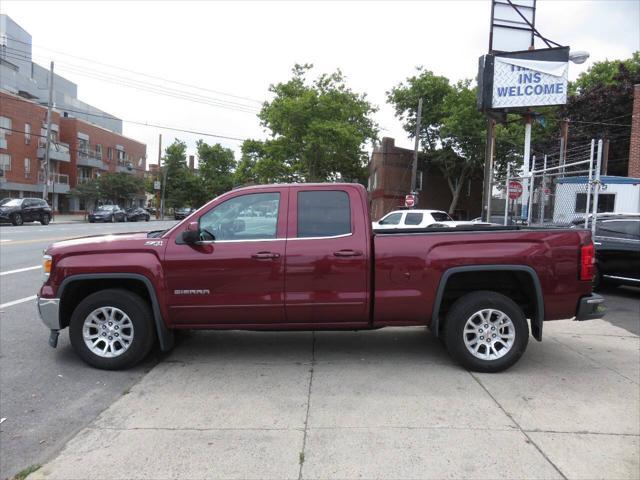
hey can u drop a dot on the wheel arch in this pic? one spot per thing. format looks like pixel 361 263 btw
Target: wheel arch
pixel 79 285
pixel 520 271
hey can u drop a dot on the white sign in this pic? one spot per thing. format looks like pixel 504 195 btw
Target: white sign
pixel 528 83
pixel 156 185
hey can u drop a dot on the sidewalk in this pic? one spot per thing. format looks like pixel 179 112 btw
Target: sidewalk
pixel 379 404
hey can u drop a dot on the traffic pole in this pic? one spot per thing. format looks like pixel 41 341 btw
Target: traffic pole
pixel 45 167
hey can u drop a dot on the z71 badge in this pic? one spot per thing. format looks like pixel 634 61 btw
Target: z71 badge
pixel 153 243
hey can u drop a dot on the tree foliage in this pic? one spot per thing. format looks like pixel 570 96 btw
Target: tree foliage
pixel 318 130
pixel 601 107
pixel 119 187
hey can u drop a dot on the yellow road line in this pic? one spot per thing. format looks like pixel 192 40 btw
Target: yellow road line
pixel 38 240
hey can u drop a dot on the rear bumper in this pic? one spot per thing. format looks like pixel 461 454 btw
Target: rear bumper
pixel 591 307
pixel 49 311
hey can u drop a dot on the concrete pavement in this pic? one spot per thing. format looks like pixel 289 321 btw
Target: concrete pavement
pixel 46 395
pixel 379 404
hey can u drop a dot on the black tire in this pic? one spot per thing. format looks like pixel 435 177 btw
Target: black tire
pixel 463 309
pixel 45 219
pixel 16 219
pixel 92 221
pixel 146 218
pixel 143 329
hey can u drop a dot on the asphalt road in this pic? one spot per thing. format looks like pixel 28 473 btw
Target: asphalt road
pixel 46 395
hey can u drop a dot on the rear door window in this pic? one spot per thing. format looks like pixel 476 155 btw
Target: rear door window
pixel 323 213
pixel 413 218
pixel 441 217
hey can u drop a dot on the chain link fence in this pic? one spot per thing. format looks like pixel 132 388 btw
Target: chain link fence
pixel 557 191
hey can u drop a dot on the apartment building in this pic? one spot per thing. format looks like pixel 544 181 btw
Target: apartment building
pixel 79 151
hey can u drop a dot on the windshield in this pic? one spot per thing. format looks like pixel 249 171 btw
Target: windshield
pixel 16 202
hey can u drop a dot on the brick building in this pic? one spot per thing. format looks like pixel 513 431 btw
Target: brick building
pixel 634 145
pixel 79 151
pixel 390 181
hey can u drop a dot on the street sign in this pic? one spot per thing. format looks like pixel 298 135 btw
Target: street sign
pixel 410 201
pixel 156 185
pixel 515 189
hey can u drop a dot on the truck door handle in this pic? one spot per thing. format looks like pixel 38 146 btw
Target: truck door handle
pixel 265 255
pixel 347 253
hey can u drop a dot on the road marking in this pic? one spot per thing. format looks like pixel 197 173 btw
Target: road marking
pixel 5 240
pixel 16 302
pixel 38 240
pixel 18 270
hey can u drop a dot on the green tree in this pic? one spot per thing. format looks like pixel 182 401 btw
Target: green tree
pixel 318 131
pixel 215 165
pixel 119 187
pixel 174 169
pixel 88 192
pixel 601 106
pixel 257 167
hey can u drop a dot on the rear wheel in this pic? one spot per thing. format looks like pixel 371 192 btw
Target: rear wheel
pixel 45 219
pixel 486 331
pixel 112 329
pixel 17 219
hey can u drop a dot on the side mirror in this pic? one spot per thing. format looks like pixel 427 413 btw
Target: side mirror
pixel 192 233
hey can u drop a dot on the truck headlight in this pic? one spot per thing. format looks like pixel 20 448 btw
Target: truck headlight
pixel 47 261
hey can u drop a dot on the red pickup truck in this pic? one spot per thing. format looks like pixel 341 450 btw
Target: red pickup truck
pixel 304 257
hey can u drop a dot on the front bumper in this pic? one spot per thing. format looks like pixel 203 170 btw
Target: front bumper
pixel 591 307
pixel 49 311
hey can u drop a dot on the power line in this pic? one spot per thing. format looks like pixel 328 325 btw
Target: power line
pixel 240 97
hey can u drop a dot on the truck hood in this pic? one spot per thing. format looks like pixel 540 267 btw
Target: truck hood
pixel 106 243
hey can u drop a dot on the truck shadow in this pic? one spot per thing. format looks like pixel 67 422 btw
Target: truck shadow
pixel 414 344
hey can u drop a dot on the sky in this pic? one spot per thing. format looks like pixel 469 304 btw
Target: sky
pixel 233 51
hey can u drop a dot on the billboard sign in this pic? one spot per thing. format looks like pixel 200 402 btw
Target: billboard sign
pixel 512 82
pixel 526 83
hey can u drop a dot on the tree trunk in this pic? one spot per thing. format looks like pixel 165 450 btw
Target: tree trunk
pixel 455 190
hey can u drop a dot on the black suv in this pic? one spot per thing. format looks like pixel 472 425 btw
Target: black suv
pixel 617 242
pixel 20 210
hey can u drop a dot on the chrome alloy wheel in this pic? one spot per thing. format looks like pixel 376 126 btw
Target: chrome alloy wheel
pixel 489 334
pixel 107 332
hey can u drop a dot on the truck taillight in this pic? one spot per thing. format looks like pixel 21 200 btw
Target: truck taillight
pixel 587 262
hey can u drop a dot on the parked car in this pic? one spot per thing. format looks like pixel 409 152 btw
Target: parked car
pixel 20 210
pixel 413 219
pixel 5 200
pixel 617 243
pixel 137 213
pixel 182 213
pixel 316 264
pixel 108 213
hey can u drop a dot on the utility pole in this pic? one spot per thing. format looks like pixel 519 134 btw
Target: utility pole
pixel 45 167
pixel 164 189
pixel 488 168
pixel 414 169
pixel 605 156
pixel 526 165
pixel 564 137
pixel 158 201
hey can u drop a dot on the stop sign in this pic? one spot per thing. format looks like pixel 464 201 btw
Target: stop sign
pixel 515 189
pixel 410 201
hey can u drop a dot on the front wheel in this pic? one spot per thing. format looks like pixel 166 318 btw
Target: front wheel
pixel 17 219
pixel 45 219
pixel 112 329
pixel 486 331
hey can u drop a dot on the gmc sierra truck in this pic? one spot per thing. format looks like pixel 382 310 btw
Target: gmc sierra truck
pixel 304 257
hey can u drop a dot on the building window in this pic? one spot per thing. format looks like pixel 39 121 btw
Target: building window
pixel 99 151
pixel 27 134
pixel 419 180
pixel 121 156
pixel 376 180
pixel 5 162
pixel 606 202
pixel 27 168
pixel 5 129
pixel 83 145
pixel 109 153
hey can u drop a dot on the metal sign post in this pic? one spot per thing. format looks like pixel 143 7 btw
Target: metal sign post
pixel 506 201
pixel 597 190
